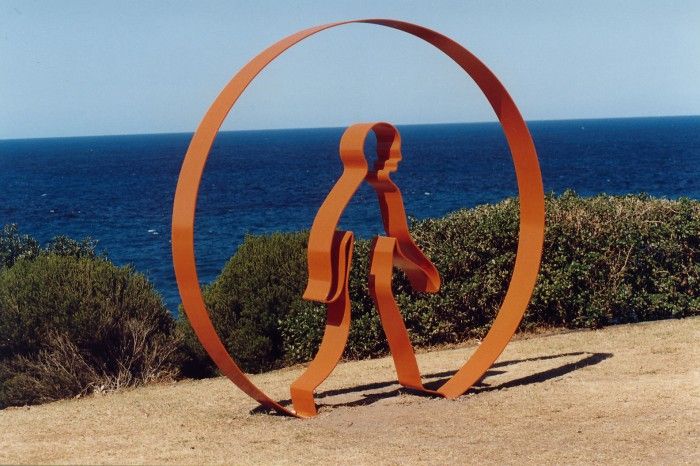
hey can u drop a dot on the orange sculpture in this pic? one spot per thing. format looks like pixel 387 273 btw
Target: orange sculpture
pixel 330 250
pixel 330 253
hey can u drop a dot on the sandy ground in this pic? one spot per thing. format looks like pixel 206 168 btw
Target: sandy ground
pixel 626 394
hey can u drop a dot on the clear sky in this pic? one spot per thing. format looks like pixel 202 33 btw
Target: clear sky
pixel 117 67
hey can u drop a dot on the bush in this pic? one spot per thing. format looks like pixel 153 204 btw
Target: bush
pixel 247 302
pixel 72 323
pixel 65 246
pixel 14 246
pixel 607 260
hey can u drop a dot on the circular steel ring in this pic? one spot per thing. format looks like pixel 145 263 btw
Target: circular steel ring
pixel 530 190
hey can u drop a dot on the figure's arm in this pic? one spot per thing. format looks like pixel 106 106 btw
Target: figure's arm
pixel 421 272
pixel 325 276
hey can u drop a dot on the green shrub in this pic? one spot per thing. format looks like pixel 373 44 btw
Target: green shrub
pixel 65 246
pixel 247 302
pixel 75 323
pixel 611 260
pixel 606 260
pixel 14 246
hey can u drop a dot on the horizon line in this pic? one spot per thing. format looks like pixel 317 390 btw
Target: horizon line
pixel 293 128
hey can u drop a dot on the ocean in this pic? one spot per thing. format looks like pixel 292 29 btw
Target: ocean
pixel 119 190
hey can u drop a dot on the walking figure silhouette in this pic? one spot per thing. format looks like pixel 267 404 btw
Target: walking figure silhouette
pixel 330 258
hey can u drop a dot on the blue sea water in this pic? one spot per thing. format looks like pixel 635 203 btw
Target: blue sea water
pixel 119 189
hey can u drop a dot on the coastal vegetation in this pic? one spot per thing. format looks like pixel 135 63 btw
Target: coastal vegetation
pixel 71 322
pixel 607 260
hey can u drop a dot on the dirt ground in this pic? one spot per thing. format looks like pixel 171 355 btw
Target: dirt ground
pixel 625 394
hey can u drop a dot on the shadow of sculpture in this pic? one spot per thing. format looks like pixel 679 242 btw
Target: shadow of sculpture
pixel 436 379
pixel 590 359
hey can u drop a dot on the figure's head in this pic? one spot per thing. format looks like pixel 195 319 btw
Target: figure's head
pixel 353 141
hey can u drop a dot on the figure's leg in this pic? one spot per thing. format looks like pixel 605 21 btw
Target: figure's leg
pixel 334 337
pixel 381 271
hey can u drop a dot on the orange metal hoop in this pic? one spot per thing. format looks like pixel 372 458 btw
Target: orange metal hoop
pixel 531 233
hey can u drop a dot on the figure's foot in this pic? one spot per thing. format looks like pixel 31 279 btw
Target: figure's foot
pixel 303 400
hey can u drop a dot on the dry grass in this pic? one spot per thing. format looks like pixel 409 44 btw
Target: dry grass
pixel 626 394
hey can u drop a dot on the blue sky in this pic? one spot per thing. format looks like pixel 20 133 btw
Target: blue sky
pixel 97 67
